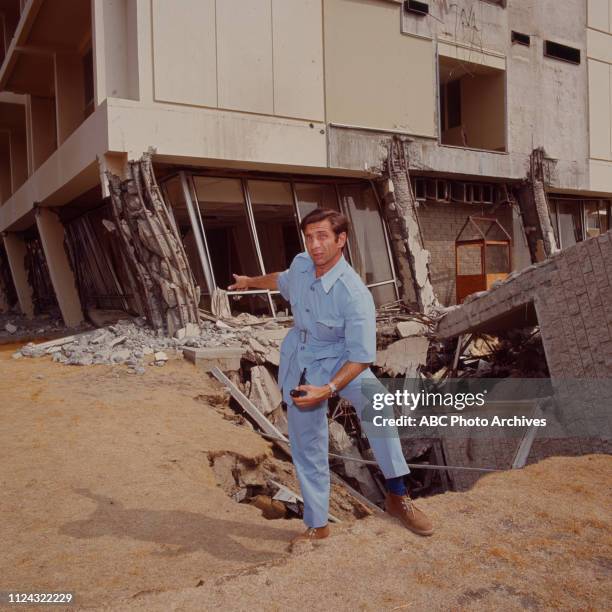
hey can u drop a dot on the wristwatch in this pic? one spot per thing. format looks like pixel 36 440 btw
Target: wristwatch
pixel 333 388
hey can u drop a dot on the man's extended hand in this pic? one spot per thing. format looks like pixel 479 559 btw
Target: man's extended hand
pixel 241 283
pixel 314 396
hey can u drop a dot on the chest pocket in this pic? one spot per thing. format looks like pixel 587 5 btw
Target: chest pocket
pixel 330 330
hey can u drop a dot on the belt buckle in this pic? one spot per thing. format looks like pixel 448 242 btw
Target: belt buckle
pixel 303 336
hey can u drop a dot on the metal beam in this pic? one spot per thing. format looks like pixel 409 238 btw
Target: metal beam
pixel 524 448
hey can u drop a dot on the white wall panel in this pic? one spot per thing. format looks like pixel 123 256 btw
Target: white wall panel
pixel 184 51
pixel 244 55
pixel 298 58
pixel 598 14
pixel 599 109
pixel 374 75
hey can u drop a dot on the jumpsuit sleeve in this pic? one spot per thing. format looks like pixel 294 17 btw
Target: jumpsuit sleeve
pixel 299 263
pixel 360 327
pixel 283 284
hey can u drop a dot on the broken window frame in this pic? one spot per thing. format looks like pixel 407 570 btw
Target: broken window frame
pixel 601 209
pixel 250 220
pixel 385 231
pixel 186 179
pixel 581 205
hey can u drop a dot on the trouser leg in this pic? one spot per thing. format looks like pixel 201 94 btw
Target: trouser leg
pixel 386 444
pixel 308 434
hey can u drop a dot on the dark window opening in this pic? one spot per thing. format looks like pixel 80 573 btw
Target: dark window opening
pixel 420 191
pixel 561 52
pixel 450 104
pixel 453 99
pixel 520 39
pixel 487 194
pixel 444 190
pixel 88 82
pixel 417 8
pixel 472 107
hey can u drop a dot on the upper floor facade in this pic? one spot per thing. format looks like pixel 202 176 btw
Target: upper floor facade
pixel 310 86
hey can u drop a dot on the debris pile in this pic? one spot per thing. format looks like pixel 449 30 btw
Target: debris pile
pixel 133 343
pixel 247 348
pixel 403 339
pixel 513 354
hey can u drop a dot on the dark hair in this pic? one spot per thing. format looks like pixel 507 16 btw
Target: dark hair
pixel 338 221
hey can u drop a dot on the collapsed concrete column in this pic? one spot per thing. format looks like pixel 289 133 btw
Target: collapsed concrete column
pixel 535 210
pixel 51 231
pixel 406 238
pixel 153 248
pixel 16 254
pixel 115 163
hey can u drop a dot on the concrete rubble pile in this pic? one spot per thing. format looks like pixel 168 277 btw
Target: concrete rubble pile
pixel 248 349
pixel 133 343
pixel 512 354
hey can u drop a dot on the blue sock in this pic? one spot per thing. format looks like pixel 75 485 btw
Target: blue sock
pixel 396 485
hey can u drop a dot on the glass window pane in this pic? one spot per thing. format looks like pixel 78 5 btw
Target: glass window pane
pixel 174 192
pixel 591 213
pixel 570 223
pixel 253 303
pixel 227 229
pixel 313 195
pixel 469 259
pixel 497 259
pixel 367 234
pixel 275 223
pixel 553 218
pixel 604 215
pixel 384 294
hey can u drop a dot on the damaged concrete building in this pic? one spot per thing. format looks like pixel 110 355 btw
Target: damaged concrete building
pixel 420 120
pixel 466 141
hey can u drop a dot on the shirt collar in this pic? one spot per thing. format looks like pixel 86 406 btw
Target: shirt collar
pixel 331 276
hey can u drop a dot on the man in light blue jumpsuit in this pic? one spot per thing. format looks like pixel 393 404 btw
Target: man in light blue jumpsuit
pixel 331 345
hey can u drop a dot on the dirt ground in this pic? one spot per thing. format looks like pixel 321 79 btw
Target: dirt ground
pixel 107 490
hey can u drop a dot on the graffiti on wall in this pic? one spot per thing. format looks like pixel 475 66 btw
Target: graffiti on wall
pixel 461 21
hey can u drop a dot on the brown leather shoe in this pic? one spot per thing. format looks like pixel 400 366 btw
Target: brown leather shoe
pixel 311 534
pixel 403 508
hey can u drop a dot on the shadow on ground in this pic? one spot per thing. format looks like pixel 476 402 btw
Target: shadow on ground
pixel 185 532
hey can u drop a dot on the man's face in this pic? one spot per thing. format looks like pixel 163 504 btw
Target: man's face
pixel 322 244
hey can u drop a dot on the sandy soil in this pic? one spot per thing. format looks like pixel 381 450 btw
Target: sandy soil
pixel 106 487
pixel 107 490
